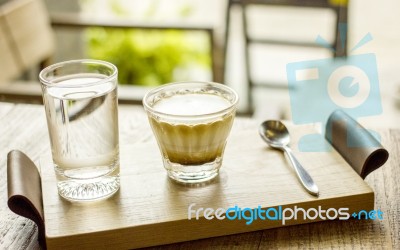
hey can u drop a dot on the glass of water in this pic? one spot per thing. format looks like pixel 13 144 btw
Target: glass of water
pixel 80 99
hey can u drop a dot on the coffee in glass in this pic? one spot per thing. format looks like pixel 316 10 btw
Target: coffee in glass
pixel 191 122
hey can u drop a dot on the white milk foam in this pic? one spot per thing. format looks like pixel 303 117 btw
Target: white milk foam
pixel 191 104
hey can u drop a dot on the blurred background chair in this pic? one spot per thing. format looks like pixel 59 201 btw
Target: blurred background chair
pixel 26 38
pixel 262 55
pixel 339 43
pixel 28 42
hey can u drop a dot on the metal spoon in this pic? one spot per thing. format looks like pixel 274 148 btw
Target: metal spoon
pixel 275 134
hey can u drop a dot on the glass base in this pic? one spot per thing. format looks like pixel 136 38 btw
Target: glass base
pixel 87 190
pixel 78 190
pixel 193 173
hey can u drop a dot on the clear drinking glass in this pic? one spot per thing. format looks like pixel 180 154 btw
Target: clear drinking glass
pixel 191 122
pixel 80 99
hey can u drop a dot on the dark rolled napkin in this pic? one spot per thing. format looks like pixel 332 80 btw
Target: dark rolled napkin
pixel 356 144
pixel 25 191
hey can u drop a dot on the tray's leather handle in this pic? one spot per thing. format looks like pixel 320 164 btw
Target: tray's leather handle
pixel 358 147
pixel 25 191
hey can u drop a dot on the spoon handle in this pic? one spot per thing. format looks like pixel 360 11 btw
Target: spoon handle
pixel 302 174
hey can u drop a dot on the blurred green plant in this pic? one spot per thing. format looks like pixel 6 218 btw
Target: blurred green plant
pixel 150 57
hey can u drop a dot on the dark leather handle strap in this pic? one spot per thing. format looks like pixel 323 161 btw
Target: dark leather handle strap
pixel 357 146
pixel 25 191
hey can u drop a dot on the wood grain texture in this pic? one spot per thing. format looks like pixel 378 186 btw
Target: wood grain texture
pixel 24 127
pixel 252 175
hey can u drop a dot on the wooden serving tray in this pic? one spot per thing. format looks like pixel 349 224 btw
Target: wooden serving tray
pixel 150 209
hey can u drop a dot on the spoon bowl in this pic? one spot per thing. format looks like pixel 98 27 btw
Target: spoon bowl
pixel 274 133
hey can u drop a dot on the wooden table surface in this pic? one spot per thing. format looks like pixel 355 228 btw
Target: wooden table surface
pixel 24 127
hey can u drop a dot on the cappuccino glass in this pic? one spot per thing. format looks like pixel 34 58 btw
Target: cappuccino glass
pixel 191 122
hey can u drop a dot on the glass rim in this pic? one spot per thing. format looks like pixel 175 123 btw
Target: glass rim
pixel 52 67
pixel 150 109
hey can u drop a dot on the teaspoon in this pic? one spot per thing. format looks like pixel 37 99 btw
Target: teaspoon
pixel 276 135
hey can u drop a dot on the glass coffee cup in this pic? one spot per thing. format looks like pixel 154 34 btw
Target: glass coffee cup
pixel 191 122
